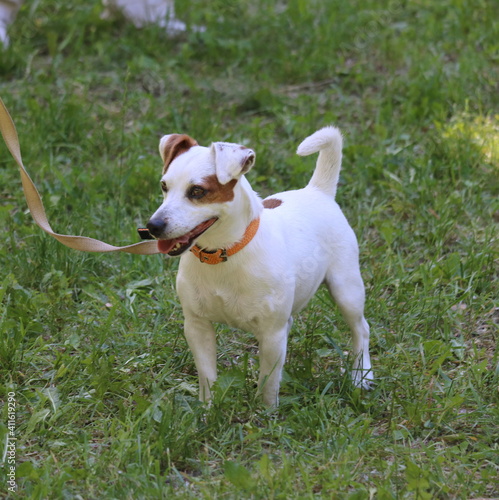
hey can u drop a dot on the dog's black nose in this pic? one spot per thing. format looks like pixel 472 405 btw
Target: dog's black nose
pixel 156 227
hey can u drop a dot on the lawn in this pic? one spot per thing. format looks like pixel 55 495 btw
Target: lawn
pixel 93 363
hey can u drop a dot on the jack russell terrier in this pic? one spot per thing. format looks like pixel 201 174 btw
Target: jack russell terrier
pixel 254 264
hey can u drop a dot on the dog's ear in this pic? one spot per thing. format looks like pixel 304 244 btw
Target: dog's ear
pixel 173 145
pixel 231 160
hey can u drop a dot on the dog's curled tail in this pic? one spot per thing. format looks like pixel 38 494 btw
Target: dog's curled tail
pixel 328 142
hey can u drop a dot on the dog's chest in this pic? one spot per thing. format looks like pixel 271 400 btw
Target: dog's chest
pixel 239 299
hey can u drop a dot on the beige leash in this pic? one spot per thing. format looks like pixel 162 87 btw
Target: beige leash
pixel 37 209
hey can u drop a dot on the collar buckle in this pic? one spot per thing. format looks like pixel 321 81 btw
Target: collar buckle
pixel 215 257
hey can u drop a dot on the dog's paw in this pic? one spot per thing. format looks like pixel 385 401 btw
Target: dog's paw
pixel 363 379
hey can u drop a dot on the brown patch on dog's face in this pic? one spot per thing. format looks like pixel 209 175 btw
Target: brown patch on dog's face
pixel 175 146
pixel 272 203
pixel 211 191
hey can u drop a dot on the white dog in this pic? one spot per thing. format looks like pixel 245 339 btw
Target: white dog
pixel 140 12
pixel 253 264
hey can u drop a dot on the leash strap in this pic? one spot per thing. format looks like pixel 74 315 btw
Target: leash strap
pixel 37 209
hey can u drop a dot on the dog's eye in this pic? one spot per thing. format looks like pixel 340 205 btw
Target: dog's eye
pixel 196 192
pixel 163 187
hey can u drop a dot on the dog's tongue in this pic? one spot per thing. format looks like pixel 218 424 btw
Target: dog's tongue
pixel 165 246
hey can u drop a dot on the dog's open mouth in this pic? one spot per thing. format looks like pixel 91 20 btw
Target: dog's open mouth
pixel 177 246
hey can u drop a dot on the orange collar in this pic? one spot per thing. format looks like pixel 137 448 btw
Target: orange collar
pixel 221 254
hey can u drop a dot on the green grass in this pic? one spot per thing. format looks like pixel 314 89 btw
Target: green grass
pixel 92 345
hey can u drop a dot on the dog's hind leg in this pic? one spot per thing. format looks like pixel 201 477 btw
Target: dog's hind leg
pixel 347 289
pixel 201 338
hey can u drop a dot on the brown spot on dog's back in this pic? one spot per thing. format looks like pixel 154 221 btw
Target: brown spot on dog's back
pixel 216 192
pixel 272 203
pixel 175 146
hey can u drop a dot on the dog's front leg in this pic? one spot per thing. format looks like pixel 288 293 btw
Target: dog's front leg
pixel 273 346
pixel 201 338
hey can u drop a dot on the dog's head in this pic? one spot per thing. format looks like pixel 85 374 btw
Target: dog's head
pixel 199 184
